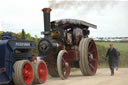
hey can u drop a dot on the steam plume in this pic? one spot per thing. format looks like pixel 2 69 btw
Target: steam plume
pixel 87 4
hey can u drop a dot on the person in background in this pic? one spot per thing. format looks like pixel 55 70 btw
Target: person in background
pixel 112 55
pixel 86 32
pixel 117 60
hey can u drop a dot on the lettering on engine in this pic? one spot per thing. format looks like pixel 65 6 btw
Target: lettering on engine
pixel 22 44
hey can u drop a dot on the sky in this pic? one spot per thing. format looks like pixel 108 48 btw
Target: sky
pixel 110 16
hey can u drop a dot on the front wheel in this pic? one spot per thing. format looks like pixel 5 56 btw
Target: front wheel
pixel 63 65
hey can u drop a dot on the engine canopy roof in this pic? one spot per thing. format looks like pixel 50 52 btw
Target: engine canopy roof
pixel 71 23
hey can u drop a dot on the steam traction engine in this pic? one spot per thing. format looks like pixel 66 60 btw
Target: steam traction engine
pixel 64 46
pixel 16 66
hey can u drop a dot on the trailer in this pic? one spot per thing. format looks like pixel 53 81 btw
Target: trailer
pixel 64 46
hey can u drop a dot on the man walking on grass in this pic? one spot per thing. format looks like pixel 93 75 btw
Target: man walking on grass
pixel 112 55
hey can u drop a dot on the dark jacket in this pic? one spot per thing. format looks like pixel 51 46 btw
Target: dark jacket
pixel 112 54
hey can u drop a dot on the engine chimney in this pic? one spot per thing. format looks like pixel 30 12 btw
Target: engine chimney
pixel 23 34
pixel 46 12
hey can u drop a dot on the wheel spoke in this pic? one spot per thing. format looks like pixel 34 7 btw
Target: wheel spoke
pixel 65 68
pixel 67 71
pixel 92 51
pixel 90 45
pixel 94 60
pixel 63 62
pixel 92 66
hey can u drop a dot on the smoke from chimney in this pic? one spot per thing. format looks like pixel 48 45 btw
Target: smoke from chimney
pixel 85 4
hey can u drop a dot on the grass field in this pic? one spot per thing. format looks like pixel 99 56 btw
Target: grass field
pixel 122 47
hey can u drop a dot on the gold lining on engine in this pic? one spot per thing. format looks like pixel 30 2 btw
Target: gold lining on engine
pixel 55 34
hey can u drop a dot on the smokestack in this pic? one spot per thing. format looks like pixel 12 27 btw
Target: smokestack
pixel 46 12
pixel 23 34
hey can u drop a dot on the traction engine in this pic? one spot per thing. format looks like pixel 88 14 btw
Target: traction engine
pixel 64 46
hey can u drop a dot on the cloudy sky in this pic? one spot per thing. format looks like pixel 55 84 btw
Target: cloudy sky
pixel 110 16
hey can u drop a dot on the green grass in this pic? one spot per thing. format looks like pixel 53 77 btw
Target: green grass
pixel 75 69
pixel 120 46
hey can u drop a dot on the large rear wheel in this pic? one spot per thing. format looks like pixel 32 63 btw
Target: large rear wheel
pixel 23 73
pixel 82 67
pixel 63 65
pixel 88 56
pixel 52 68
pixel 40 72
pixel 53 71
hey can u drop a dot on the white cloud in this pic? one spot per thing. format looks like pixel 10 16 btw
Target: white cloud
pixel 21 14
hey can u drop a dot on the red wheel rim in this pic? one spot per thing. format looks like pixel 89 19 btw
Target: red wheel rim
pixel 65 68
pixel 42 71
pixel 92 56
pixel 27 73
